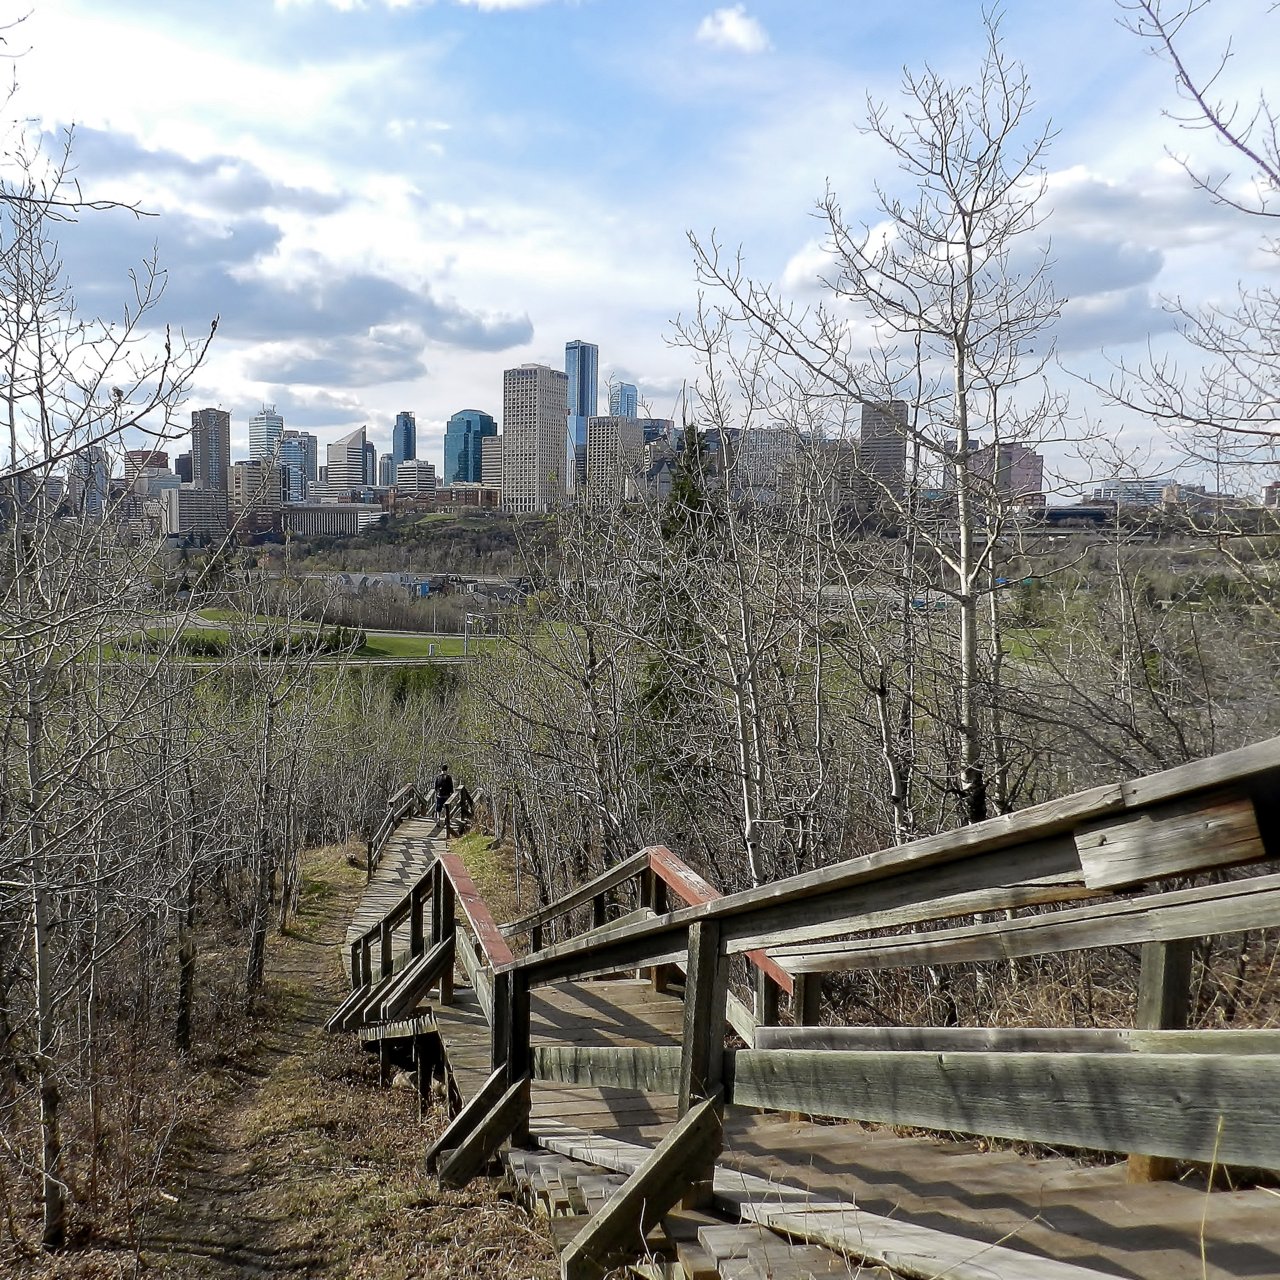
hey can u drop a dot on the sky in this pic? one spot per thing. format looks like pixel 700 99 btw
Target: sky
pixel 388 202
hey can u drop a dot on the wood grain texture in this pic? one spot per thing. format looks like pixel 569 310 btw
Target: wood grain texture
pixel 654 1068
pixel 1185 1106
pixel 1189 834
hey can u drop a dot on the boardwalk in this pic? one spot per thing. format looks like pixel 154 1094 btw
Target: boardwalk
pixel 596 1070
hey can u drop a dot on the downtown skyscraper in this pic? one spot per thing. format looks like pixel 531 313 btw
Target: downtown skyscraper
pixel 463 445
pixel 624 400
pixel 404 440
pixel 210 448
pixel 266 428
pixel 582 368
pixel 535 402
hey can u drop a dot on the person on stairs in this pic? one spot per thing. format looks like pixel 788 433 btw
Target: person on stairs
pixel 444 789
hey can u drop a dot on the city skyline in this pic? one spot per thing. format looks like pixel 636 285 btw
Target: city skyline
pixel 363 254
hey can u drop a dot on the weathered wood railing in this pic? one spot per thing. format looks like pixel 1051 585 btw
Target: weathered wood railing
pixel 1110 851
pixel 657 877
pixel 404 802
pixel 382 991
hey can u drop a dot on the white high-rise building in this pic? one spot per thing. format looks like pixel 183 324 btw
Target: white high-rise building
pixel 615 459
pixel 266 428
pixel 346 458
pixel 416 479
pixel 761 456
pixel 491 462
pixel 535 408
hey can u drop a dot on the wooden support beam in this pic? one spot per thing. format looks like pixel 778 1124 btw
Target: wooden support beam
pixel 766 1010
pixel 519 1050
pixel 706 995
pixel 508 1118
pixel 653 1068
pixel 386 958
pixel 617 1232
pixel 1198 1106
pixel 464 1123
pixel 448 925
pixel 1164 1004
pixel 806 1001
pixel 705 998
pixel 417 914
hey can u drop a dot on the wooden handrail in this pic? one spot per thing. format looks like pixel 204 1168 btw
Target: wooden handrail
pixel 608 879
pixel 476 910
pixel 1008 850
pixel 695 891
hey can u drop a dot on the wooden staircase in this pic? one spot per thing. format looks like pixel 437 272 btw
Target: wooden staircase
pixel 634 1078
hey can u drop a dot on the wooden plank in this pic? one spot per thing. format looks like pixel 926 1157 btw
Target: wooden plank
pixel 1185 835
pixel 1228 767
pixel 490 940
pixel 1019 1040
pixel 1185 1106
pixel 923 1253
pixel 618 1231
pixel 1181 913
pixel 507 1116
pixel 656 1070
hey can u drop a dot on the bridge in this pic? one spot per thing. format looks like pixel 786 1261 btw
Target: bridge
pixel 652 1064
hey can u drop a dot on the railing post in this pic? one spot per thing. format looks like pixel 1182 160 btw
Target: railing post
pixel 706 996
pixel 806 1000
pixel 766 999
pixel 385 942
pixel 599 911
pixel 355 965
pixel 448 929
pixel 417 910
pixel 1164 1004
pixel 366 960
pixel 659 974
pixel 519 1050
pixel 535 938
pixel 500 1036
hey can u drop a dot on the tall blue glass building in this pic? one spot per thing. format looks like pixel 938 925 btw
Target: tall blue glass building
pixel 582 364
pixel 404 440
pixel 624 401
pixel 462 436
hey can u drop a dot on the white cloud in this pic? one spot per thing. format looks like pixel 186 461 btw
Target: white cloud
pixel 733 28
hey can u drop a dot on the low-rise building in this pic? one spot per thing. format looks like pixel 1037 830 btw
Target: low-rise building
pixel 331 519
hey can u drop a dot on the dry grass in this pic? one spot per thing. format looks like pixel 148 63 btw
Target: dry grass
pixel 288 1156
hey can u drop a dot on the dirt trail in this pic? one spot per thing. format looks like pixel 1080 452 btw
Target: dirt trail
pixel 229 1197
pixel 313 1168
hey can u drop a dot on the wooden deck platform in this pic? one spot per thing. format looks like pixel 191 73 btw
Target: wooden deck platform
pixel 1053 1208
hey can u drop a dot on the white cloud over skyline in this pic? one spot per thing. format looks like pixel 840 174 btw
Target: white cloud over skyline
pixel 733 28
